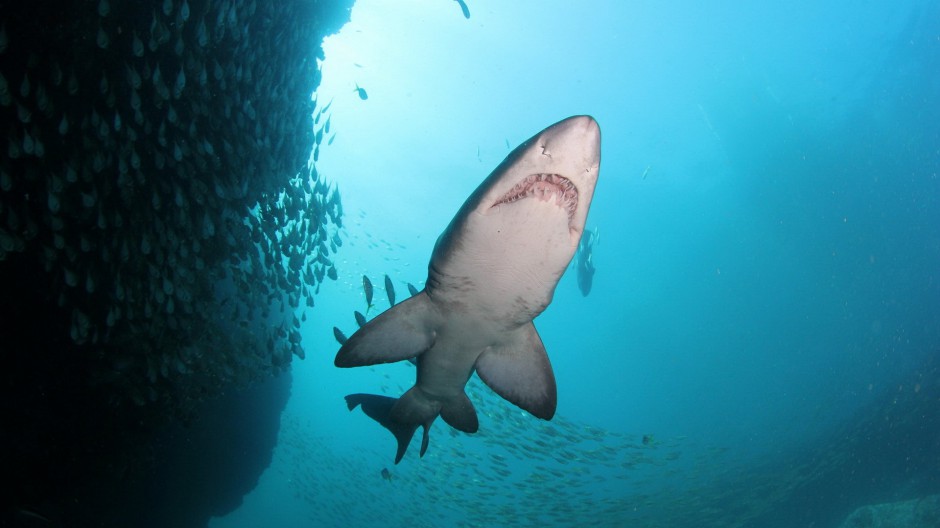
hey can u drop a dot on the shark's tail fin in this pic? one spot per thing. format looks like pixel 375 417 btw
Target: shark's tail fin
pixel 403 416
pixel 380 409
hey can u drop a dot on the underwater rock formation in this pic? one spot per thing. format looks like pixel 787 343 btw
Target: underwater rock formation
pixel 918 513
pixel 160 217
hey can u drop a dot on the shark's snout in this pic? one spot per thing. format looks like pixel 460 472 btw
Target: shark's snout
pixel 560 165
pixel 579 137
pixel 576 142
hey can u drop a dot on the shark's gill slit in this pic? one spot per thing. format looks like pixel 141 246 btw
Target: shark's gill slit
pixel 544 187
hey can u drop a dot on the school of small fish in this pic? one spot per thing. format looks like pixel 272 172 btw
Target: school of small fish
pixel 525 472
pixel 159 167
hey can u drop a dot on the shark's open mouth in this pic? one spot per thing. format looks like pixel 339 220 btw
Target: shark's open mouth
pixel 545 187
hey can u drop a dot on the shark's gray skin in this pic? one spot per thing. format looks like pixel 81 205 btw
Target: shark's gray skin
pixel 493 270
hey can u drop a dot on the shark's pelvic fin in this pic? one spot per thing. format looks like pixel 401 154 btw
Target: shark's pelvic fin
pixel 401 332
pixel 379 408
pixel 459 413
pixel 518 370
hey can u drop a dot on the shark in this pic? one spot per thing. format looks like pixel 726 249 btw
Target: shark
pixel 492 271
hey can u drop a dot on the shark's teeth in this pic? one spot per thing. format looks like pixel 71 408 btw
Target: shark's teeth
pixel 544 187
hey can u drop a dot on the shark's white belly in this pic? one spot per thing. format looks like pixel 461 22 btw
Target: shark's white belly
pixel 507 263
pixel 444 369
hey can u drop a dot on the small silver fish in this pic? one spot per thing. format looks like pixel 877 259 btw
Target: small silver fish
pixel 464 8
pixel 362 92
pixel 339 335
pixel 367 288
pixel 390 290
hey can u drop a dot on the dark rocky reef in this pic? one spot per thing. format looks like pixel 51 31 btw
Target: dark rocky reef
pixel 889 451
pixel 161 222
pixel 918 513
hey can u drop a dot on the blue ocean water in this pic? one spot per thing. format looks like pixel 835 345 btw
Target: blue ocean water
pixel 182 251
pixel 766 295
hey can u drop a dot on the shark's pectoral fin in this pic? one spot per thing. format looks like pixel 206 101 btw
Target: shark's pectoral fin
pixel 379 408
pixel 518 370
pixel 401 332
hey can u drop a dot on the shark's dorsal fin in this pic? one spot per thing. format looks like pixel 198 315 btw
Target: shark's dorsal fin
pixel 518 370
pixel 401 332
